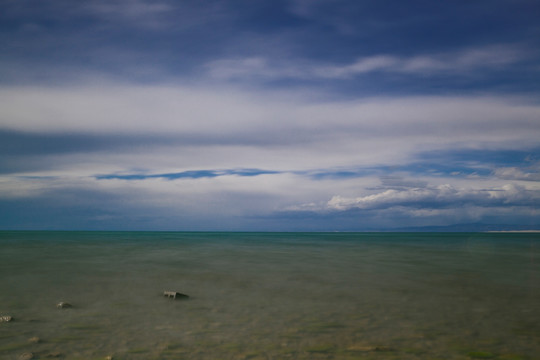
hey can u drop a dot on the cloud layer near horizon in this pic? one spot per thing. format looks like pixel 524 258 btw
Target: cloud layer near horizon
pixel 177 116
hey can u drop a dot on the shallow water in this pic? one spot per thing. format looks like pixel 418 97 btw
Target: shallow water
pixel 271 295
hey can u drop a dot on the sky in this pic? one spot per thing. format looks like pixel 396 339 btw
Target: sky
pixel 284 115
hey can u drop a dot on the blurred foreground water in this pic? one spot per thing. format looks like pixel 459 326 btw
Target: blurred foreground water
pixel 270 295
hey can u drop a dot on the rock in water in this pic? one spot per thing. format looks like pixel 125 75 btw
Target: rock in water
pixel 63 305
pixel 5 318
pixel 26 356
pixel 175 295
pixel 34 340
pixel 54 354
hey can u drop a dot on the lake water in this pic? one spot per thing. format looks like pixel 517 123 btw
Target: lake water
pixel 270 295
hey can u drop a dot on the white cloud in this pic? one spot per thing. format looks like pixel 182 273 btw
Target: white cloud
pixel 227 195
pixel 447 63
pixel 514 173
pixel 441 196
pixel 228 128
pixel 228 111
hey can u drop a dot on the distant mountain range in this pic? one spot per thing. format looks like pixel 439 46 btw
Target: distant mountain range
pixel 472 227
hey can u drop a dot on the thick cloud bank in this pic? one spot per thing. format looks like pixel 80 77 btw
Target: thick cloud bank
pixel 253 115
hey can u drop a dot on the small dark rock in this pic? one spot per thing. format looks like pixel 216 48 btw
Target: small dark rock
pixel 175 295
pixel 63 305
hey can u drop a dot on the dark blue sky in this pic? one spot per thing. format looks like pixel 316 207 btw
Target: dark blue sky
pixel 269 115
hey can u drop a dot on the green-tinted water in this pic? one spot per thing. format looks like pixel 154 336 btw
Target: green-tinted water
pixel 270 296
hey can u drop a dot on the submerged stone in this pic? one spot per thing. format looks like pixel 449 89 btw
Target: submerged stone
pixel 175 295
pixel 26 356
pixel 383 348
pixel 63 305
pixel 481 355
pixel 322 348
pixel 5 318
pixel 34 340
pixel 366 348
pixel 54 354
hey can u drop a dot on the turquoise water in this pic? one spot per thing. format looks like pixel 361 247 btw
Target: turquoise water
pixel 270 295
